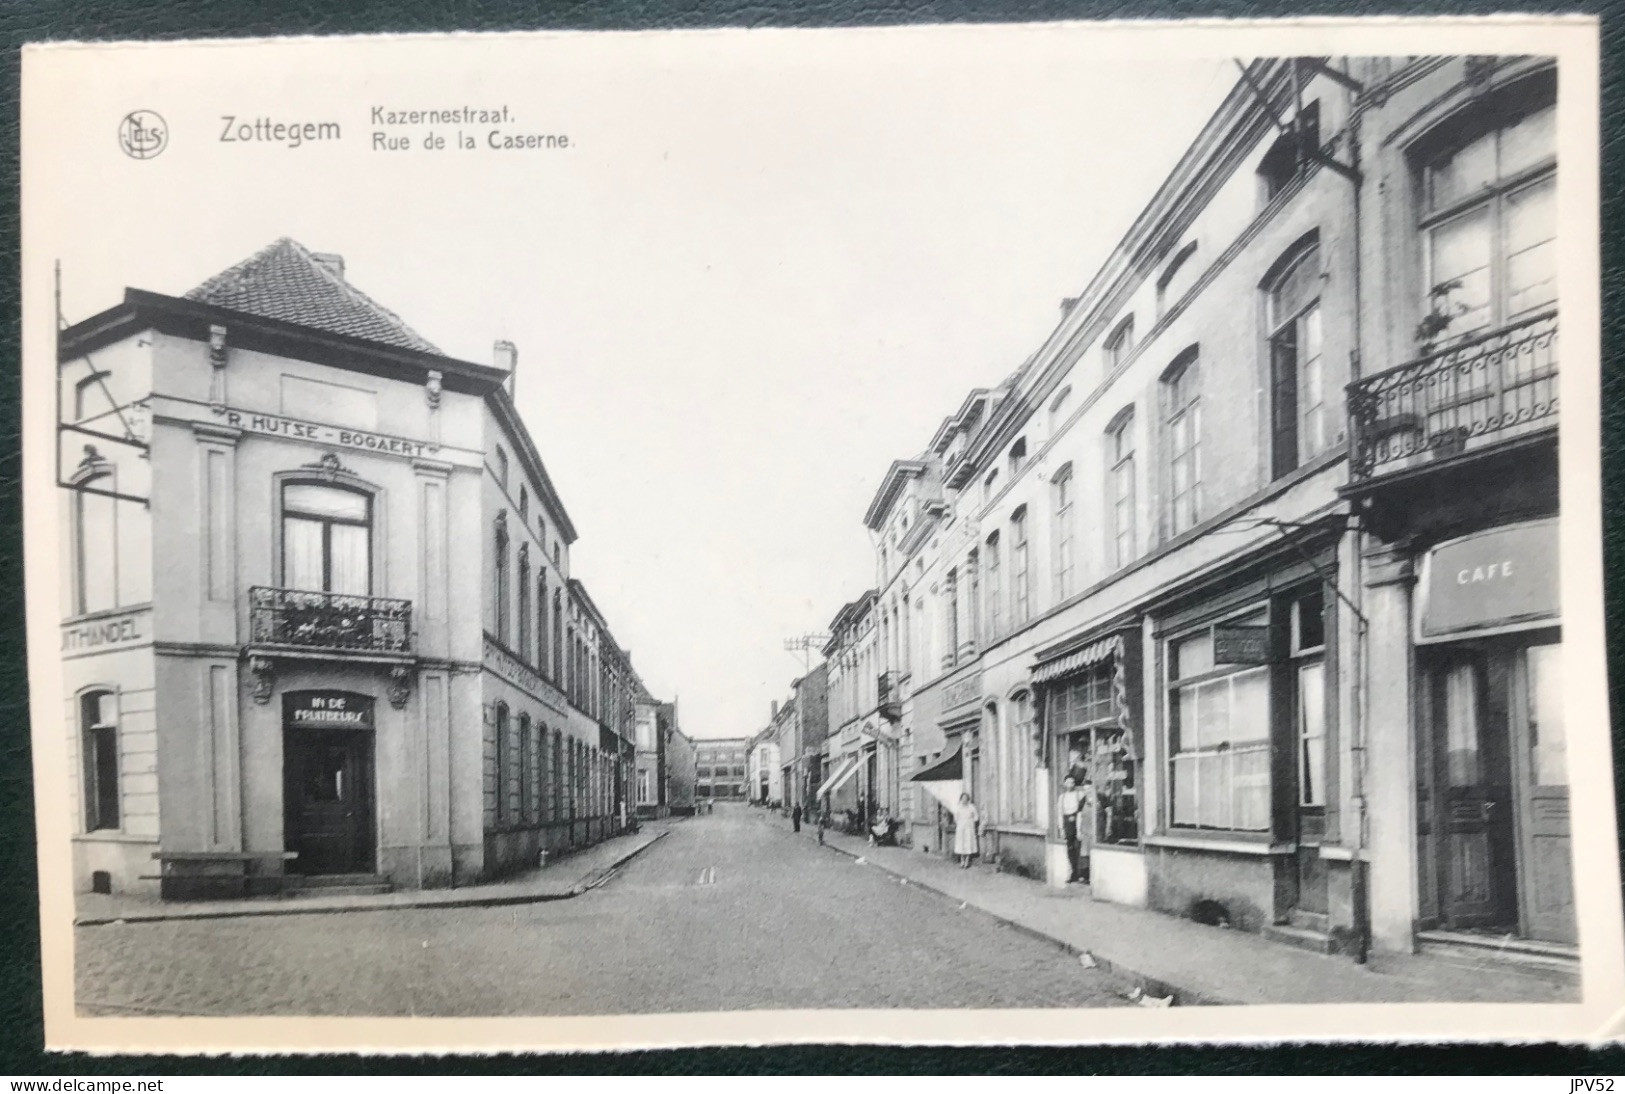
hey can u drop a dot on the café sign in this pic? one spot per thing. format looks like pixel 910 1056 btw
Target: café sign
pixel 1238 645
pixel 328 709
pixel 1494 582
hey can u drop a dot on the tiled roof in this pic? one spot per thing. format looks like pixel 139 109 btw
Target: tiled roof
pixel 285 281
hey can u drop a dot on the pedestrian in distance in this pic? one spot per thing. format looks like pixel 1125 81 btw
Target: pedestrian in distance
pixel 795 817
pixel 823 821
pixel 966 822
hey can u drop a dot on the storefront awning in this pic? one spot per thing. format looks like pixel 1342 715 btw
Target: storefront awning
pixel 1092 654
pixel 950 768
pixel 833 783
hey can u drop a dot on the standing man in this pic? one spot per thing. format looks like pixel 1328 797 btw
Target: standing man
pixel 795 817
pixel 823 820
pixel 1071 804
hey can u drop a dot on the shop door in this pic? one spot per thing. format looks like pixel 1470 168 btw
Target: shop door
pixel 329 801
pixel 1546 874
pixel 1472 825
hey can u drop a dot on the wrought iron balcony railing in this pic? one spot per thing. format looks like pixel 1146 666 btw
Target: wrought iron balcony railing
pixel 890 695
pixel 1477 392
pixel 329 621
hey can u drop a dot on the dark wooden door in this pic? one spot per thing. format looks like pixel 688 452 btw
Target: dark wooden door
pixel 329 801
pixel 1540 769
pixel 1473 821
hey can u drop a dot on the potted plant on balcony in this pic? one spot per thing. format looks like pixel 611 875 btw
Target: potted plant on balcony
pixel 1442 312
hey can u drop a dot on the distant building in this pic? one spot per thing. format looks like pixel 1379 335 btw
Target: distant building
pixel 680 763
pixel 764 779
pixel 719 769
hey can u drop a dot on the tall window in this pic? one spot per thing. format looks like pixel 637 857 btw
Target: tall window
pixel 1289 154
pixel 1184 419
pixel 541 619
pixel 524 504
pixel 1489 221
pixel 98 725
pixel 527 771
pixel 950 619
pixel 1019 577
pixel 499 570
pixel 558 638
pixel 990 485
pixel 1021 759
pixel 973 602
pixel 1120 487
pixel 1309 697
pixel 556 807
pixel 502 467
pixel 1119 344
pixel 1065 548
pixel 95 543
pixel 1300 423
pixel 326 539
pixel 502 773
pixel 991 591
pixel 523 648
pixel 1219 737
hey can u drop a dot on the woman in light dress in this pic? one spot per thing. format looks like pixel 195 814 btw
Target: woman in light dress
pixel 966 822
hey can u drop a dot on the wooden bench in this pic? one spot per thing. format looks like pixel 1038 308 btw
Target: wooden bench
pixel 220 875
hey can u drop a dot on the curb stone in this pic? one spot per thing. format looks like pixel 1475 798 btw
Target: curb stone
pixel 592 881
pixel 1148 985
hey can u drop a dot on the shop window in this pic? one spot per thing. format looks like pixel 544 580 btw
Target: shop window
pixel 1183 410
pixel 98 722
pixel 326 539
pixel 1300 422
pixel 1120 487
pixel 1219 737
pixel 1489 215
pixel 1309 687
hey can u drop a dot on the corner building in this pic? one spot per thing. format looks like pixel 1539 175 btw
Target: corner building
pixel 315 622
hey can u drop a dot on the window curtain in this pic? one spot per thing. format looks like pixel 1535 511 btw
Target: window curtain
pixel 349 550
pixel 302 554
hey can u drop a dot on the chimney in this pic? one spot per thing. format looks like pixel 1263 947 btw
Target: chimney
pixel 505 355
pixel 332 263
pixel 1068 303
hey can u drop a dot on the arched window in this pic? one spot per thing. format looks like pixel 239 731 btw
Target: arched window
pixel 1300 424
pixel 1120 486
pixel 95 543
pixel 326 539
pixel 1058 410
pixel 524 504
pixel 1176 278
pixel 98 729
pixel 1183 418
pixel 1119 344
pixel 502 467
pixel 1020 578
pixel 541 620
pixel 1061 497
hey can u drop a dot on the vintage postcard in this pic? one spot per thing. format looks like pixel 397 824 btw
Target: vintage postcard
pixel 981 534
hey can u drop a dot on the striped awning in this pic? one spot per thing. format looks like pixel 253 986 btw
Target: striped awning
pixel 835 781
pixel 1092 654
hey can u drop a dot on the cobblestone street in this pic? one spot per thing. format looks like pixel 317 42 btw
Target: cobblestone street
pixel 730 911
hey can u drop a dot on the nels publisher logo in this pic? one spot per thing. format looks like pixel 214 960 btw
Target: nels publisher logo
pixel 143 134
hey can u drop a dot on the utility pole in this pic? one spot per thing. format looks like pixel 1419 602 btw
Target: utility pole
pixel 805 644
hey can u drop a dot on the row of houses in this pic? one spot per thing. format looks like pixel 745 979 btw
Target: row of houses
pixel 1257 551
pixel 320 625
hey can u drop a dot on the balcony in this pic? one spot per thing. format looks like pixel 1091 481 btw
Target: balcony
pixel 1476 394
pixel 889 691
pixel 329 621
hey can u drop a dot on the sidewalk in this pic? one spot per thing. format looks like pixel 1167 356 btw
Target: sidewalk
pixel 1197 964
pixel 566 877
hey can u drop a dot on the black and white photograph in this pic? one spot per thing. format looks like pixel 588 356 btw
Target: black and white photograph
pixel 1047 534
